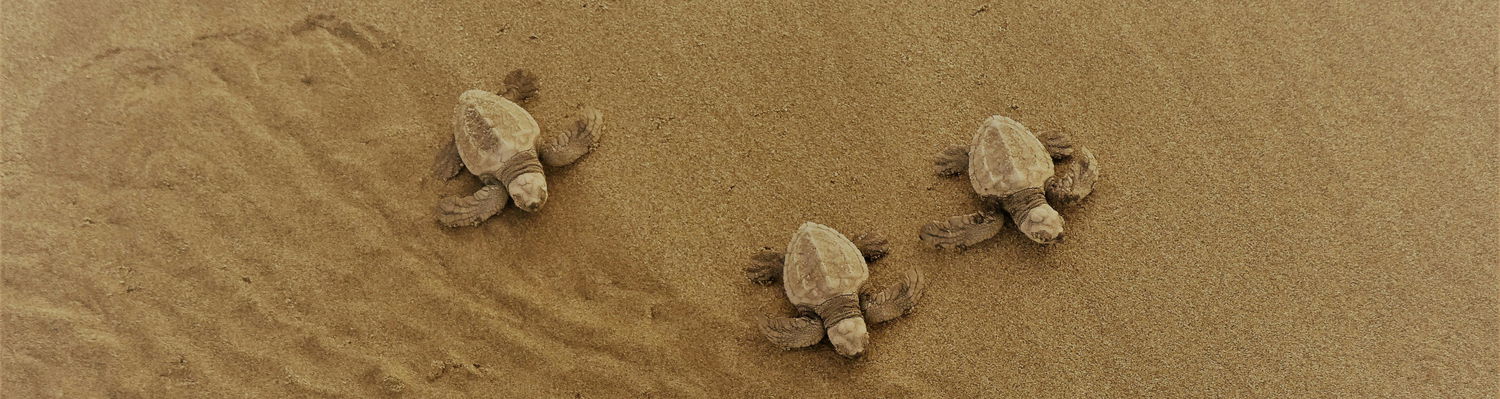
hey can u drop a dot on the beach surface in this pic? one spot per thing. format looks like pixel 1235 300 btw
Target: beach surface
pixel 233 199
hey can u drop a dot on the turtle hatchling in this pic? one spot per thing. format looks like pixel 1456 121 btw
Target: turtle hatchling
pixel 1018 173
pixel 824 275
pixel 496 139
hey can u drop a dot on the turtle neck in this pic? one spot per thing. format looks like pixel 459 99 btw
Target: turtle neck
pixel 1020 203
pixel 522 163
pixel 837 309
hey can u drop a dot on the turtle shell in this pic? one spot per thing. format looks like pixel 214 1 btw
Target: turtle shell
pixel 820 264
pixel 1005 157
pixel 490 129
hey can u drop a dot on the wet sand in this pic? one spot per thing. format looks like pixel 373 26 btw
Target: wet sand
pixel 234 200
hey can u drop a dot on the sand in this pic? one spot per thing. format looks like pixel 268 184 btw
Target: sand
pixel 232 200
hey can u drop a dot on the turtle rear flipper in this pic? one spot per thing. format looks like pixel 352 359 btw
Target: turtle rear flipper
pixel 1058 144
pixel 872 246
pixel 896 300
pixel 473 209
pixel 767 266
pixel 520 87
pixel 961 231
pixel 447 163
pixel 952 161
pixel 1074 178
pixel 792 332
pixel 569 145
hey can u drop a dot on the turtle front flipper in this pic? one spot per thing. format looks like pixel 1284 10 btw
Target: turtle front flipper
pixel 896 300
pixel 447 163
pixel 953 161
pixel 473 209
pixel 872 246
pixel 569 145
pixel 792 332
pixel 520 87
pixel 1073 178
pixel 766 267
pixel 961 231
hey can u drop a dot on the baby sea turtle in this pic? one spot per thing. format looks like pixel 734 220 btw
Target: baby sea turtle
pixel 824 273
pixel 1011 170
pixel 496 139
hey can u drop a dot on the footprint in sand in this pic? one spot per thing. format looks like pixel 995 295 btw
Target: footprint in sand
pixel 273 178
pixel 272 156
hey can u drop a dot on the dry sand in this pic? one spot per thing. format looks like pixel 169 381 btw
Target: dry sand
pixel 231 200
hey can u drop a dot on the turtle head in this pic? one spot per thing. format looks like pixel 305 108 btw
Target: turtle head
pixel 849 337
pixel 1043 225
pixel 529 191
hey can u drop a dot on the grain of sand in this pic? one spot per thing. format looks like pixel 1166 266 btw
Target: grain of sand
pixel 230 199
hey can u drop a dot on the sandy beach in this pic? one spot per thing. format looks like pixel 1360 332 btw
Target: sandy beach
pixel 233 199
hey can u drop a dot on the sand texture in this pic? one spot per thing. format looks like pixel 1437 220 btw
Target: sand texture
pixel 233 199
